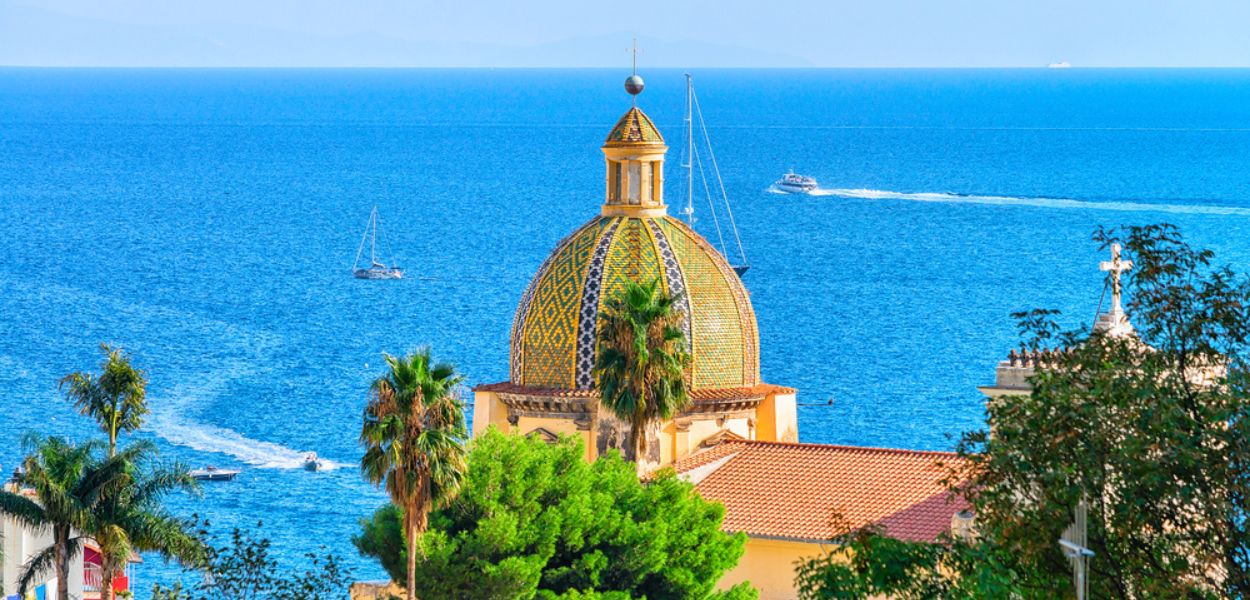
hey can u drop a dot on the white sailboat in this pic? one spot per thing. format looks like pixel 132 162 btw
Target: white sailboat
pixel 694 159
pixel 376 268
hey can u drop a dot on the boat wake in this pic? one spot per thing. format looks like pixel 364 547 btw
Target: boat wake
pixel 170 422
pixel 1038 202
pixel 174 411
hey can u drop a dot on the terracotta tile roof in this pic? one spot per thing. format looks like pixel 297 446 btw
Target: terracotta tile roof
pixel 793 491
pixel 762 389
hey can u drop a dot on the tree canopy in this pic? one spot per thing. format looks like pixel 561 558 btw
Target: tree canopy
pixel 640 368
pixel 1151 432
pixel 535 520
pixel 243 568
pixel 116 398
pixel 413 432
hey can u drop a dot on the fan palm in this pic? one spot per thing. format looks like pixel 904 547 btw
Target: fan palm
pixel 640 367
pixel 116 398
pixel 413 434
pixel 132 518
pixel 68 484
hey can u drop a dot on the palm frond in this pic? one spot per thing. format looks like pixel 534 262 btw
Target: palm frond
pixel 40 564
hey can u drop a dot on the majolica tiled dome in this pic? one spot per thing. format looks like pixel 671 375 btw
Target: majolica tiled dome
pixel 553 334
pixel 634 128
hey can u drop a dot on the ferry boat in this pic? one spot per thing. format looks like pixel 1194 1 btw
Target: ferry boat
pixel 376 269
pixel 794 183
pixel 211 473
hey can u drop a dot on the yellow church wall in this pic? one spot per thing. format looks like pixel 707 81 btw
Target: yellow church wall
pixel 526 425
pixel 677 444
pixel 489 410
pixel 770 566
pixel 668 443
pixel 777 419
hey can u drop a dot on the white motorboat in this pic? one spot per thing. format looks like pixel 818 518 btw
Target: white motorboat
pixel 376 269
pixel 794 183
pixel 312 463
pixel 211 473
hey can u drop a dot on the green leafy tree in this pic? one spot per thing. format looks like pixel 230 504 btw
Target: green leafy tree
pixel 865 563
pixel 535 520
pixel 1151 432
pixel 131 517
pixel 116 398
pixel 382 537
pixel 414 434
pixel 640 368
pixel 244 569
pixel 69 483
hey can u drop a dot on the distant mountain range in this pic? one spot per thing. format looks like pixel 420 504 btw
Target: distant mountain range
pixel 31 36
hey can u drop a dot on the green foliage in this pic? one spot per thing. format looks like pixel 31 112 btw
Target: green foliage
pixel 640 367
pixel 131 517
pixel 537 521
pixel 413 434
pixel 1153 433
pixel 116 398
pixel 243 569
pixel 69 483
pixel 867 564
pixel 383 537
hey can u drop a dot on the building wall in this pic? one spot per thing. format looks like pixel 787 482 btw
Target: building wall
pixel 18 545
pixel 777 419
pixel 770 567
pixel 528 425
pixel 489 410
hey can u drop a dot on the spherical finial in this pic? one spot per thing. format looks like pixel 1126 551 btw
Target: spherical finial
pixel 633 85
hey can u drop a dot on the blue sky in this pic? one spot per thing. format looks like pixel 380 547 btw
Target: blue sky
pixel 595 33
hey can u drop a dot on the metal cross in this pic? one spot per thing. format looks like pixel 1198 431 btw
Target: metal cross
pixel 1115 266
pixel 634 50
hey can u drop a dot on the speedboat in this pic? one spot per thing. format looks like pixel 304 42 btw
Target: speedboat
pixel 794 183
pixel 312 463
pixel 211 473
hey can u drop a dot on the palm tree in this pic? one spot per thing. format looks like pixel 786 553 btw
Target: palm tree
pixel 640 368
pixel 68 483
pixel 132 516
pixel 115 399
pixel 413 434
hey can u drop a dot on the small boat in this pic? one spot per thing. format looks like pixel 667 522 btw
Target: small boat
pixel 794 183
pixel 312 463
pixel 211 473
pixel 376 269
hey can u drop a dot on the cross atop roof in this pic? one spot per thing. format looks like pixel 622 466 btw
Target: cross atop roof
pixel 1115 267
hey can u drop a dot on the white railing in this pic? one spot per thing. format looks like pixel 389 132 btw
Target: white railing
pixel 92 578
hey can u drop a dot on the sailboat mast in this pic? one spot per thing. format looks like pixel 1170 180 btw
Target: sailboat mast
pixel 689 153
pixel 373 242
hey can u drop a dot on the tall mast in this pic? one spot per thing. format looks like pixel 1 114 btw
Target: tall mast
pixel 373 242
pixel 689 210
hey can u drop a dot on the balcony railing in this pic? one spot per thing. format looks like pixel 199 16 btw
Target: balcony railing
pixel 93 579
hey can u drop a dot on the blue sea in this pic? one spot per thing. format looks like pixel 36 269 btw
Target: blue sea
pixel 206 221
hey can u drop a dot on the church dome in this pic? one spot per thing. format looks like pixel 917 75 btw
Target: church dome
pixel 554 331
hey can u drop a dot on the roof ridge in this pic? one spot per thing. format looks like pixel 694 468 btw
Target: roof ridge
pixel 880 449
